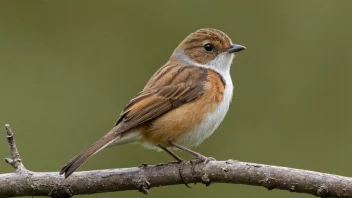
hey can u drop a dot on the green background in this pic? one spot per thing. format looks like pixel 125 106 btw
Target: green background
pixel 67 68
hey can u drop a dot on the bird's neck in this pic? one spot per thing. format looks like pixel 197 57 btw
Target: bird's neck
pixel 221 64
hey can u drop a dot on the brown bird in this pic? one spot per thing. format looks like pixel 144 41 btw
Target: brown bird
pixel 181 105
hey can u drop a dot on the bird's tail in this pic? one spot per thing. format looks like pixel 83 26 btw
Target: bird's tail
pixel 78 160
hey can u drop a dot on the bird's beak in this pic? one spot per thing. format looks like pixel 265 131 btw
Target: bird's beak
pixel 236 48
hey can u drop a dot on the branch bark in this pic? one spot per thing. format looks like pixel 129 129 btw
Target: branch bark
pixel 144 177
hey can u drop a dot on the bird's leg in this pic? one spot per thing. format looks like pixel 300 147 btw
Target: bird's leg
pixel 176 157
pixel 179 160
pixel 198 156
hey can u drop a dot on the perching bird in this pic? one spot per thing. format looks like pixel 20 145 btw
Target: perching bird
pixel 181 105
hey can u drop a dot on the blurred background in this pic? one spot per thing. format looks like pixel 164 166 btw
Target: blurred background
pixel 67 68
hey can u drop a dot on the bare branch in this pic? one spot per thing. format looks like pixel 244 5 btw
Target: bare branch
pixel 145 177
pixel 16 161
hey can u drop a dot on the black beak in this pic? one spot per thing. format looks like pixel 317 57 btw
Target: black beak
pixel 236 48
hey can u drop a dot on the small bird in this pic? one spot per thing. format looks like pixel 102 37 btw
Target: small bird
pixel 181 105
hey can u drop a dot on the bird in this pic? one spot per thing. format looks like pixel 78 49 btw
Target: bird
pixel 182 103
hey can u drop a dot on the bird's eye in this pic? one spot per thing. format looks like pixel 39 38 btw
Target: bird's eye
pixel 208 47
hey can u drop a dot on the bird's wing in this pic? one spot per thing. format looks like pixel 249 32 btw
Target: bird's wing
pixel 165 91
pixel 169 88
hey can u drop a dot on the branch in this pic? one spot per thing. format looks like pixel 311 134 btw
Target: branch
pixel 26 183
pixel 16 161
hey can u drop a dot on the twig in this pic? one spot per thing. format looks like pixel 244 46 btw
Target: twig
pixel 16 161
pixel 145 177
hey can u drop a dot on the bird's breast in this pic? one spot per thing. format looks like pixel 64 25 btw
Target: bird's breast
pixel 212 119
pixel 193 122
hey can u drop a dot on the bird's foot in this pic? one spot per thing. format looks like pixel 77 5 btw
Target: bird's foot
pixel 200 159
pixel 180 171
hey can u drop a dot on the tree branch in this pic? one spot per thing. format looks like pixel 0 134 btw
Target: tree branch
pixel 26 183
pixel 16 161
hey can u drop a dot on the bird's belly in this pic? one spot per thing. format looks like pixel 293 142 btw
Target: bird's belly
pixel 206 127
pixel 198 133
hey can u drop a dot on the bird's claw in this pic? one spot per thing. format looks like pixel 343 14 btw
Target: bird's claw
pixel 182 163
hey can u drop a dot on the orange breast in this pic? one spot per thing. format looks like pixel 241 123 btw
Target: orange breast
pixel 176 123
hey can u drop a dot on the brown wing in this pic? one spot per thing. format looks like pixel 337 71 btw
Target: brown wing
pixel 166 91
